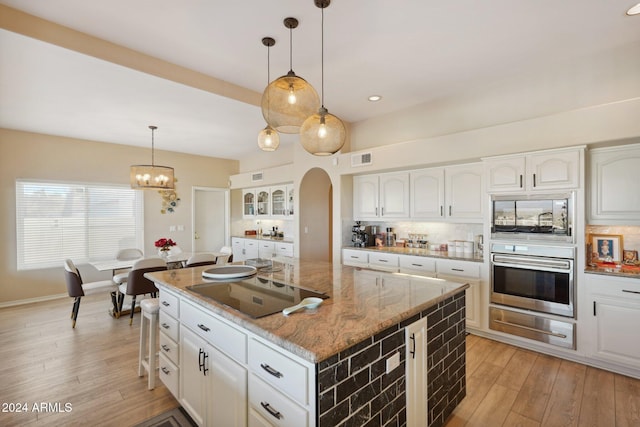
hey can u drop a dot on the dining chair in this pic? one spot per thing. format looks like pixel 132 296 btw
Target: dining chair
pixel 227 250
pixel 197 260
pixel 76 288
pixel 137 284
pixel 127 254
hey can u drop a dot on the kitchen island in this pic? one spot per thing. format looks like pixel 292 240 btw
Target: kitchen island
pixel 352 349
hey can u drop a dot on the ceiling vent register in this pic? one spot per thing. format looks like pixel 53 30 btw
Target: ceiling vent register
pixel 362 159
pixel 255 177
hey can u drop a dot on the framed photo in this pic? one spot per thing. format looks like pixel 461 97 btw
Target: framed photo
pixel 629 257
pixel 607 247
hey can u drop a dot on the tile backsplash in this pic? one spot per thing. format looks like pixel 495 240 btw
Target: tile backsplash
pixel 630 234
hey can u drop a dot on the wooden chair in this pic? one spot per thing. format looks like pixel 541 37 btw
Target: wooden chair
pixel 76 288
pixel 137 284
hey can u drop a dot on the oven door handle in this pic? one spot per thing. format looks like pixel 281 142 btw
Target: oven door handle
pixel 550 264
pixel 515 325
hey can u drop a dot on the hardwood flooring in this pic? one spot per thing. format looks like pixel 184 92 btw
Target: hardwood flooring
pixel 510 386
pixel 93 370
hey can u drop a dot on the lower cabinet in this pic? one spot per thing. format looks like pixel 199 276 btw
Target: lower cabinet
pixel 213 387
pixel 416 373
pixel 468 272
pixel 612 324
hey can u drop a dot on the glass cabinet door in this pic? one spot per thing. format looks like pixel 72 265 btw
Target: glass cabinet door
pixel 262 204
pixel 248 203
pixel 290 201
pixel 278 201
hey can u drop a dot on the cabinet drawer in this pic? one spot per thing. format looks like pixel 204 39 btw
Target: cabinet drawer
pixel 226 338
pixel 352 257
pixel 458 268
pixel 169 348
pixel 169 375
pixel 618 287
pixel 384 261
pixel 278 370
pixel 169 304
pixel 418 264
pixel 169 326
pixel 284 249
pixel 274 406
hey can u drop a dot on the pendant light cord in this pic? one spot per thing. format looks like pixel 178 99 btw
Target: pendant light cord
pixel 322 57
pixel 152 147
pixel 290 49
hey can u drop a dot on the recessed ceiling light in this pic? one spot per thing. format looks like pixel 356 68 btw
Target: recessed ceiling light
pixel 374 98
pixel 634 10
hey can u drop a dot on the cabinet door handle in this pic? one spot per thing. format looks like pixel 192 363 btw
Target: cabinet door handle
pixel 270 410
pixel 441 211
pixel 270 370
pixel 202 360
pixel 630 292
pixel 594 308
pixel 376 211
pixel 534 179
pixel 413 344
pixel 203 327
pixel 382 211
pixel 165 370
pixel 449 210
pixel 164 325
pixel 166 348
pixel 520 180
pixel 166 304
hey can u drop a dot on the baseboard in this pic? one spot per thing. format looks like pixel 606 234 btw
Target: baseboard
pixel 32 300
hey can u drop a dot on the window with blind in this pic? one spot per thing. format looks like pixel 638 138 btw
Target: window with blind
pixel 83 222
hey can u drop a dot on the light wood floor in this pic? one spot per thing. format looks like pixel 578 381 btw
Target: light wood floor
pixel 94 368
pixel 510 386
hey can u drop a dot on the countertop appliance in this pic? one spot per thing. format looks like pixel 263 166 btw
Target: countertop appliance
pixel 361 235
pixel 533 217
pixel 256 296
pixel 530 285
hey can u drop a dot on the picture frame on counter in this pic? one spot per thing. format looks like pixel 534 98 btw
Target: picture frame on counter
pixel 629 257
pixel 607 247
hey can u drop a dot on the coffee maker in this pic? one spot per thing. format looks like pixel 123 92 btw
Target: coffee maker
pixel 360 235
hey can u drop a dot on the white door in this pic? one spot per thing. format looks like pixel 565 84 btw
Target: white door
pixel 210 219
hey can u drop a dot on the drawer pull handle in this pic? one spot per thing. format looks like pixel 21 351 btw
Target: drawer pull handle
pixel 203 327
pixel 270 370
pixel 164 325
pixel 417 265
pixel 630 292
pixel 165 370
pixel 355 257
pixel 270 410
pixel 383 260
pixel 166 304
pixel 457 269
pixel 166 348
pixel 540 331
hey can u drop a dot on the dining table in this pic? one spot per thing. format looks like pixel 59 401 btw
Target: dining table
pixel 173 261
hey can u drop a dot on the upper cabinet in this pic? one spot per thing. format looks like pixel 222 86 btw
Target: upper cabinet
pixel 268 202
pixel 543 171
pixel 449 193
pixel 381 196
pixel 614 174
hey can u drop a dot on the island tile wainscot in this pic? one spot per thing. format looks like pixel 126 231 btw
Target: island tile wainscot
pixel 352 353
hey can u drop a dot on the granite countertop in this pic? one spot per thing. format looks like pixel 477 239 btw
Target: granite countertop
pixel 474 257
pixel 268 238
pixel 359 306
pixel 619 270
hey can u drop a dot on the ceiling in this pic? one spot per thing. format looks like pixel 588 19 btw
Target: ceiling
pixel 409 52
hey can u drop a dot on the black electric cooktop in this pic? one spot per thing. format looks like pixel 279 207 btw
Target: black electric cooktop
pixel 255 296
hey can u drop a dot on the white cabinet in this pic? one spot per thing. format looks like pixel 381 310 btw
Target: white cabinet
pixel 268 202
pixel 384 261
pixel 381 196
pixel 614 177
pixel 169 337
pixel 244 249
pixel 248 203
pixel 450 193
pixel 283 249
pixel 542 171
pixel 355 258
pixel 611 327
pixel 263 202
pixel 266 249
pixel 416 373
pixel 467 272
pixel 423 266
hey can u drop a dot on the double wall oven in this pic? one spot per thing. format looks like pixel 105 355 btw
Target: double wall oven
pixel 533 268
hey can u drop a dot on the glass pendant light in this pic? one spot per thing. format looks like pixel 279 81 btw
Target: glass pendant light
pixel 322 134
pixel 289 100
pixel 268 138
pixel 152 176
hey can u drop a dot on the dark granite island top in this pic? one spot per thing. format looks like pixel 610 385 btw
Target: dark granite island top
pixel 349 336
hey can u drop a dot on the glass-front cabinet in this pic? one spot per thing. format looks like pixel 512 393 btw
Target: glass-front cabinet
pixel 263 202
pixel 279 201
pixel 248 203
pixel 290 196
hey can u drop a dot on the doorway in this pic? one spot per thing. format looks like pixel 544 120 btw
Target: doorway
pixel 210 220
pixel 316 210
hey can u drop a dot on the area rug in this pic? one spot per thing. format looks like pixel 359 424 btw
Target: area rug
pixel 176 417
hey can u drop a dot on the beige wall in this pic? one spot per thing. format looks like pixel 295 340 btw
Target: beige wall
pixel 37 156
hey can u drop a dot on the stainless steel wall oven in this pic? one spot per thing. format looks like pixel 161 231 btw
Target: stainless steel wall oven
pixel 538 281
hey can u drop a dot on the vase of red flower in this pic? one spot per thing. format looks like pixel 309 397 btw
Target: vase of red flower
pixel 164 246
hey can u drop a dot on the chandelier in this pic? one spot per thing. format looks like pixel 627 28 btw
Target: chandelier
pixel 152 176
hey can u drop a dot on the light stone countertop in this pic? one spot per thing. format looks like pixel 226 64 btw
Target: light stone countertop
pixel 474 257
pixel 359 306
pixel 265 238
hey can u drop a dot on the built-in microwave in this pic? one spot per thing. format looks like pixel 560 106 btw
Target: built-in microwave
pixel 533 217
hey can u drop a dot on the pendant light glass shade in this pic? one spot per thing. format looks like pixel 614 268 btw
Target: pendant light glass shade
pixel 268 139
pixel 289 100
pixel 322 134
pixel 152 176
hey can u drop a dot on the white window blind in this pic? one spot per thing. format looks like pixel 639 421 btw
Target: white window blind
pixel 59 220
